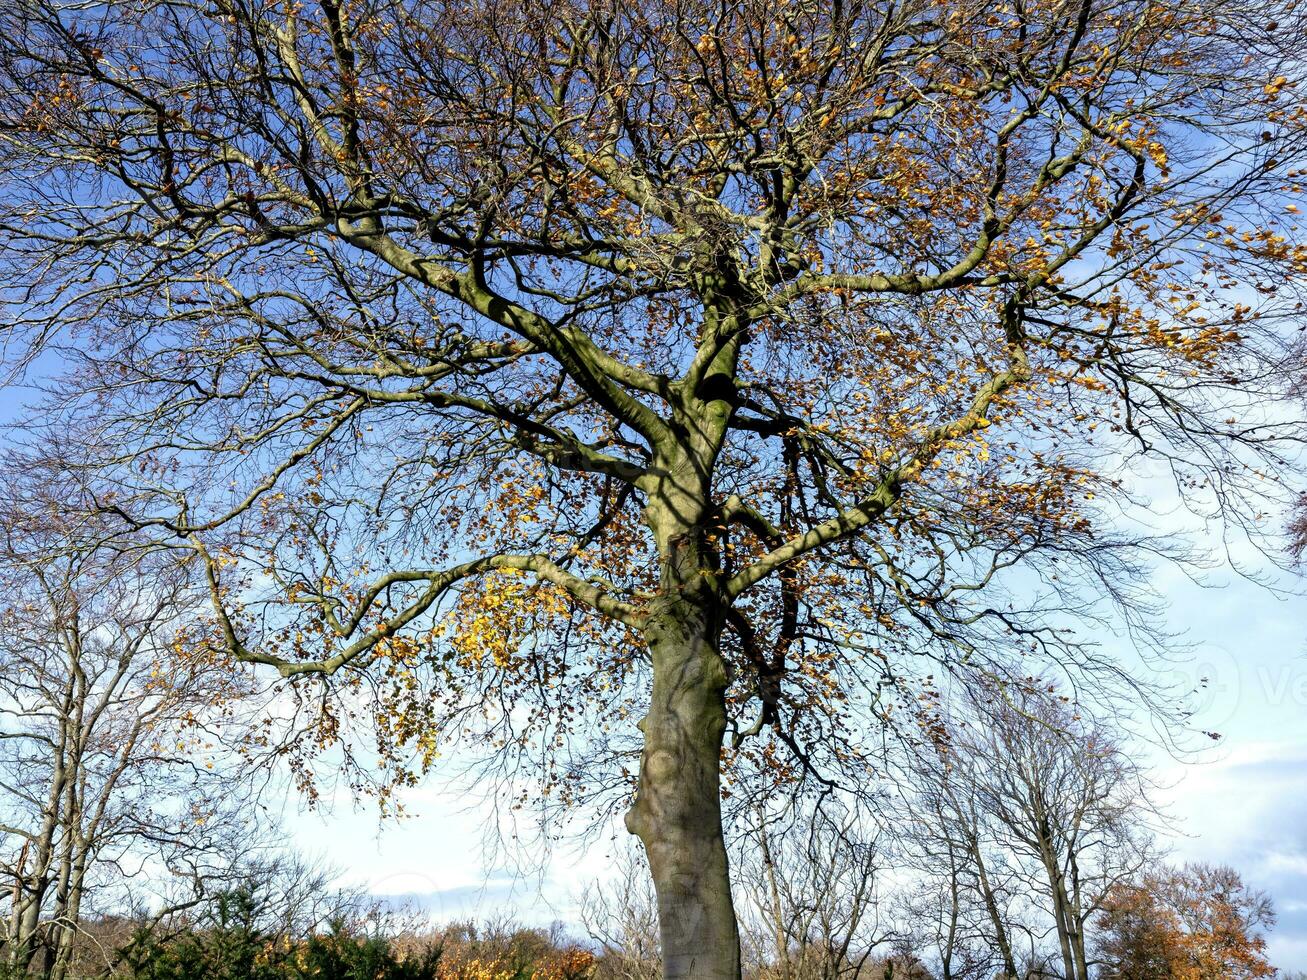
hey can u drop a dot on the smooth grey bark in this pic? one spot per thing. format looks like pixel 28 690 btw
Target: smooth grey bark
pixel 677 811
pixel 1075 910
pixel 1057 890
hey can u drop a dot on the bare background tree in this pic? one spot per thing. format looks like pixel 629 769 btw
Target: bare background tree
pixel 1066 798
pixel 814 905
pixel 112 778
pixel 621 916
pixel 968 905
pixel 1029 815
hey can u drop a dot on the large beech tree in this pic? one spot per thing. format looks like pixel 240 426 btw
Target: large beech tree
pixel 534 367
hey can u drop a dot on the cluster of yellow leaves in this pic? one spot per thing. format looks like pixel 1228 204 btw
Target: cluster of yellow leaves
pixel 494 616
pixel 570 964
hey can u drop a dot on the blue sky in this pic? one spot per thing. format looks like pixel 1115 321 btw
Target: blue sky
pixel 1246 805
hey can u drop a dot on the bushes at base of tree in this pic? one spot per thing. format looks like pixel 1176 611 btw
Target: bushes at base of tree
pixel 231 950
pixel 232 936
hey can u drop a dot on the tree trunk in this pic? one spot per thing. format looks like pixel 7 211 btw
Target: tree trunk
pixel 1060 919
pixel 1076 915
pixel 950 935
pixel 777 913
pixel 1001 938
pixel 677 811
pixel 70 918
